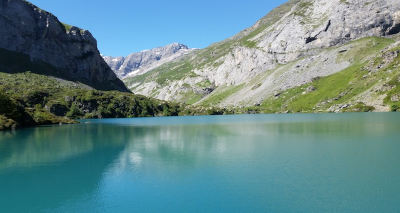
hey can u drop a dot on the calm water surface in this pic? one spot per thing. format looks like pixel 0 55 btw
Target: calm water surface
pixel 240 163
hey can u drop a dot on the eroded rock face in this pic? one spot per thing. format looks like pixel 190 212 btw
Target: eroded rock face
pixel 39 34
pixel 324 23
pixel 141 62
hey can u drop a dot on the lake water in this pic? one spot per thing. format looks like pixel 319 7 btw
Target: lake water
pixel 240 163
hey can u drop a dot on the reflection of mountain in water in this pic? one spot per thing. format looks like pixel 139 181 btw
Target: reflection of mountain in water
pixel 123 163
pixel 38 146
pixel 187 146
pixel 48 166
pixel 172 147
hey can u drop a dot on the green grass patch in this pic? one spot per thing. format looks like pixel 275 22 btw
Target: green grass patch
pixel 328 88
pixel 66 26
pixel 346 2
pixel 176 70
pixel 220 94
pixel 193 98
pixel 359 50
pixel 360 107
pixel 302 8
pixel 393 96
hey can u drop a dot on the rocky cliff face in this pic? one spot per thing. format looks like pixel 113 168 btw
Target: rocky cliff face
pixel 33 32
pixel 326 23
pixel 141 62
pixel 308 26
pixel 292 45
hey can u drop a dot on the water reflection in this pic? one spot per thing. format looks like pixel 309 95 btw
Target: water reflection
pixel 259 161
pixel 46 145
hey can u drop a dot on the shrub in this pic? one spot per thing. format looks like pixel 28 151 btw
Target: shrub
pixel 8 107
pixel 394 107
pixel 73 112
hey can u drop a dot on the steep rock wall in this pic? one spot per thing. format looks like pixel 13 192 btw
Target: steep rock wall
pixel 29 30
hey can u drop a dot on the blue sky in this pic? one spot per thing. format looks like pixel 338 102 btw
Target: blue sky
pixel 122 27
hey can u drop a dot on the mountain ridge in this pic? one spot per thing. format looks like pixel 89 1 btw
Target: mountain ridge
pixel 139 63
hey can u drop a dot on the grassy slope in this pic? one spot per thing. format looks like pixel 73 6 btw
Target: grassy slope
pixel 345 87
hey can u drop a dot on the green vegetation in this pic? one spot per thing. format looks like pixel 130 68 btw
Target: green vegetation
pixel 220 94
pixel 32 99
pixel 360 107
pixel 393 95
pixel 8 110
pixel 194 98
pixel 164 74
pixel 346 2
pixel 66 26
pixel 341 88
pixel 360 49
pixel 302 8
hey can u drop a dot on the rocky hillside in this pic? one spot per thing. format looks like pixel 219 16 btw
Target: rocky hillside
pixel 296 45
pixel 33 39
pixel 141 62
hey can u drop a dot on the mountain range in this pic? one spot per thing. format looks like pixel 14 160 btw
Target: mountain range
pixel 141 62
pixel 293 48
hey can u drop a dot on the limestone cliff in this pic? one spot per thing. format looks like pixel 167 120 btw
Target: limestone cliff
pixel 69 52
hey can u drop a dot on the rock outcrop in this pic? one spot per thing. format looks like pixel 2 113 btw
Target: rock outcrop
pixel 39 35
pixel 141 62
pixel 324 23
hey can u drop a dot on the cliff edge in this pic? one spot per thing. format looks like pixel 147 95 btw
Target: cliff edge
pixel 35 40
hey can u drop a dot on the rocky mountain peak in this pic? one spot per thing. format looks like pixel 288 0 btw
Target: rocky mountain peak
pixel 141 62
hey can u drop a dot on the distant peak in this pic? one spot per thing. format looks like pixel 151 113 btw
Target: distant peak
pixel 177 45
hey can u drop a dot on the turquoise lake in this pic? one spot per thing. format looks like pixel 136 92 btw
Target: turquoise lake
pixel 346 162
